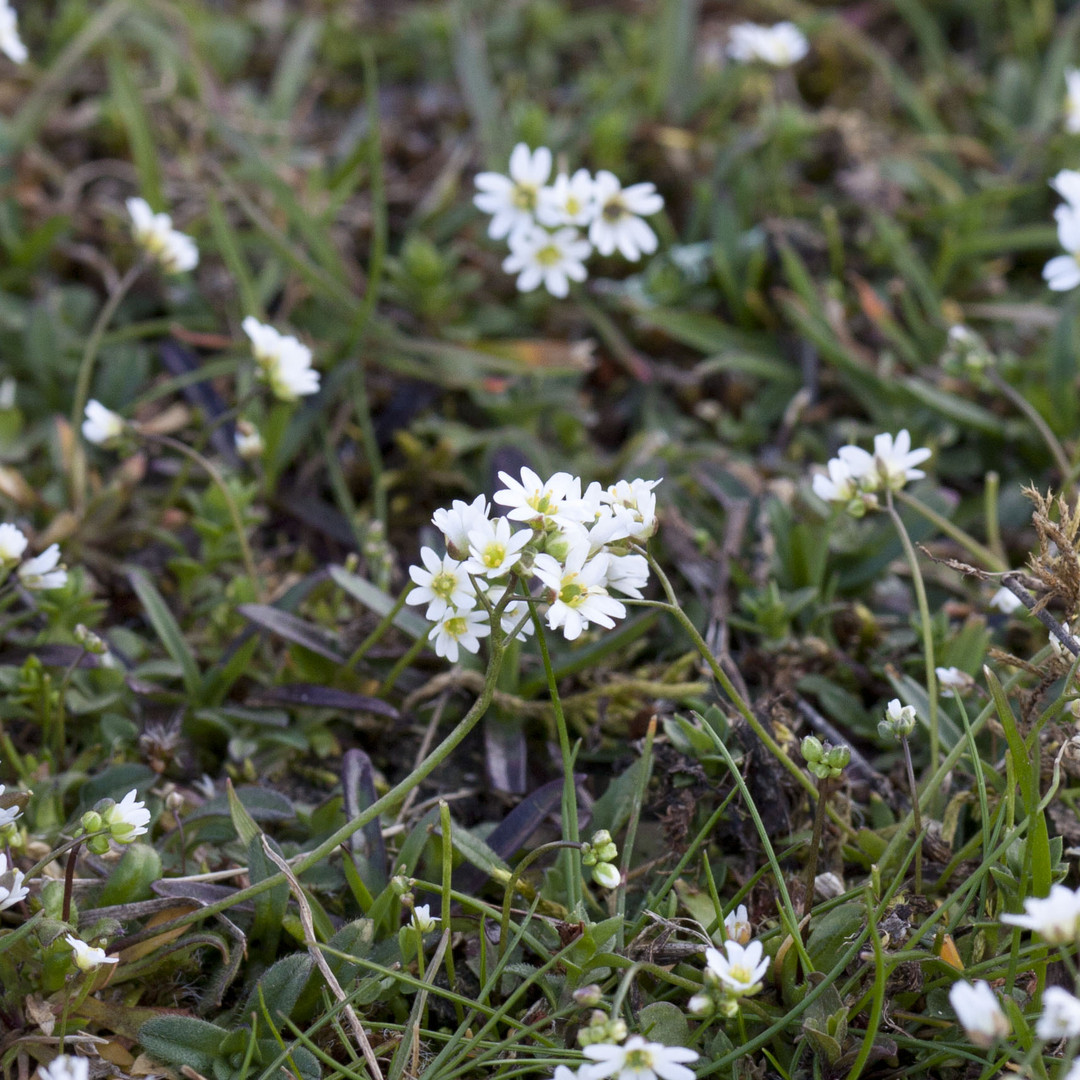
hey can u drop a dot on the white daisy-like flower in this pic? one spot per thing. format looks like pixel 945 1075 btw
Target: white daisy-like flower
pixel 462 629
pixel 580 597
pixel 12 889
pixel 10 43
pixel 512 201
pixel 839 486
pixel 627 574
pixel 127 819
pixel 175 252
pixel 953 681
pixel 443 584
pixel 65 1067
pixel 12 544
pixel 87 957
pixel 1072 100
pixel 102 426
pixel 1067 184
pixel 423 920
pixel 1062 272
pixel 737 925
pixel 456 523
pixel 1060 1017
pixel 8 814
pixel 249 443
pixel 540 502
pixel 891 465
pixel 494 549
pixel 43 573
pixel 781 45
pixel 979 1012
pixel 1055 918
pixel 568 201
pixel 742 970
pixel 638 497
pixel 637 1059
pixel 551 259
pixel 284 362
pixel 617 215
pixel 1006 601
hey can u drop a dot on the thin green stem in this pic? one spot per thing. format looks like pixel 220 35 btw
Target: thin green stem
pixel 447 870
pixel 927 627
pixel 815 846
pixel 515 877
pixel 1053 444
pixel 631 830
pixel 991 489
pixel 382 626
pixel 992 560
pixel 406 658
pixel 917 813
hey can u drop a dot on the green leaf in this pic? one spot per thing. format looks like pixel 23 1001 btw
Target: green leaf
pixel 129 102
pixel 281 986
pixel 374 599
pixel 167 630
pixel 182 1040
pixel 664 1022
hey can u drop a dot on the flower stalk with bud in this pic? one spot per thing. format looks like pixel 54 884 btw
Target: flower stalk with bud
pixel 899 723
pixel 827 763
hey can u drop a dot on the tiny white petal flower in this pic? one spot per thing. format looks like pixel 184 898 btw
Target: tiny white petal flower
pixel 1006 601
pixel 10 42
pixel 444 585
pixel 579 596
pixel 737 925
pixel 42 572
pixel 513 615
pixel 1067 182
pixel 551 259
pixel 617 217
pixel 249 443
pixel 781 45
pixel 456 523
pixel 569 201
pixel 1063 271
pixel 953 681
pixel 102 426
pixel 65 1067
pixel 1072 100
pixel 422 919
pixel 979 1012
pixel 637 1059
pixel 493 549
pixel 12 889
pixel 627 574
pixel 127 819
pixel 12 545
pixel 540 501
pixel 742 970
pixel 891 465
pixel 175 252
pixel 512 201
pixel 284 362
pixel 87 957
pixel 1055 918
pixel 839 486
pixel 638 497
pixel 1061 1015
pixel 462 629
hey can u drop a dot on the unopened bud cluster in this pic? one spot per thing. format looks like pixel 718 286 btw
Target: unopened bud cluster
pixel 602 1029
pixel 600 854
pixel 120 821
pixel 823 759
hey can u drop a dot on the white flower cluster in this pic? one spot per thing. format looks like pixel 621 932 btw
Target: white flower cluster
pixel 284 362
pixel 12 889
pixel 175 252
pixel 10 42
pixel 41 572
pixel 733 974
pixel 782 45
pixel 577 544
pixel 855 475
pixel 1062 272
pixel 636 1059
pixel 542 222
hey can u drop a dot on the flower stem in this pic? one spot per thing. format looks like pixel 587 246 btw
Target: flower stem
pixel 384 624
pixel 1053 444
pixel 815 845
pixel 918 815
pixel 69 880
pixel 515 877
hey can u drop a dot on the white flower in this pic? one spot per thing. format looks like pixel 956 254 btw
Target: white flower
pixel 953 681
pixel 12 889
pixel 1061 1015
pixel 569 201
pixel 443 586
pixel 1055 918
pixel 617 217
pixel 456 523
pixel 627 574
pixel 513 614
pixel 460 628
pixel 839 486
pixel 127 818
pixel 8 814
pixel 742 970
pixel 101 426
pixel 781 45
pixel 580 597
pixel 1062 272
pixel 174 251
pixel 1006 601
pixel 493 550
pixel 86 956
pixel 1072 100
pixel 512 201
pixel 979 1012
pixel 292 377
pixel 638 497
pixel 10 42
pixel 737 925
pixel 42 572
pixel 552 259
pixel 284 361
pixel 637 1059
pixel 540 502
pixel 1067 182
pixel 422 919
pixel 65 1067
pixel 12 544
pixel 249 443
pixel 890 465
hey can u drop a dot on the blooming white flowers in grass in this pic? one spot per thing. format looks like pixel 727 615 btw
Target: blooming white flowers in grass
pixel 284 362
pixel 635 502
pixel 8 814
pixel 568 201
pixel 578 593
pixel 43 572
pixel 781 45
pixel 101 426
pixel 456 523
pixel 12 889
pixel 127 819
pixel 11 44
pixel 617 217
pixel 175 252
pixel 638 1059
pixel 493 551
pixel 551 259
pixel 1060 1016
pixel 953 681
pixel 1062 272
pixel 443 584
pixel 1006 601
pixel 627 574
pixel 737 925
pixel 891 465
pixel 460 629
pixel 742 970
pixel 512 201
pixel 12 544
pixel 899 720
pixel 539 502
pixel 65 1067
pixel 1072 100
pixel 87 957
pixel 979 1012
pixel 423 920
pixel 1055 918
pixel 838 486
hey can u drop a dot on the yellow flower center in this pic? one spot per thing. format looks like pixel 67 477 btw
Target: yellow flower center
pixel 524 197
pixel 638 1060
pixel 572 594
pixel 443 584
pixel 456 626
pixel 573 205
pixel 548 255
pixel 494 555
